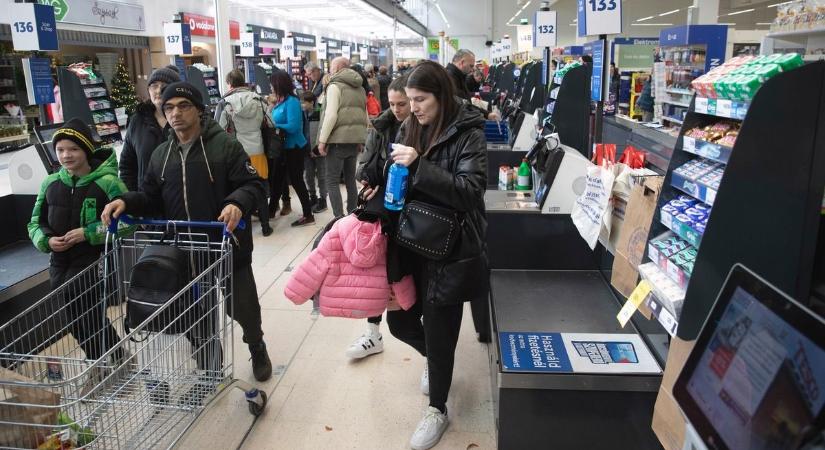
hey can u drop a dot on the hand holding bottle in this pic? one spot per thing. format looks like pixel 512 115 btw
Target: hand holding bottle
pixel 401 154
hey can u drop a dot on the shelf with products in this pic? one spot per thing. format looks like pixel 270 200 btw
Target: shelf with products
pixel 85 95
pixel 676 103
pixel 205 80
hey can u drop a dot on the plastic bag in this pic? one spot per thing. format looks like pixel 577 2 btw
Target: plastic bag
pixel 591 208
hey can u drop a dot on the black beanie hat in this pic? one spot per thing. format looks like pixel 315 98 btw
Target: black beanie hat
pixel 78 132
pixel 164 74
pixel 185 90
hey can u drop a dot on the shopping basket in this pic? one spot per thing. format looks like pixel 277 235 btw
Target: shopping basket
pixel 146 389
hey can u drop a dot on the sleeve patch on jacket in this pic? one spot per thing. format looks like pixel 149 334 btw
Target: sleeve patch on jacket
pixel 250 168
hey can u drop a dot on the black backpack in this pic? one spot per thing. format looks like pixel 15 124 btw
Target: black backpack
pixel 159 274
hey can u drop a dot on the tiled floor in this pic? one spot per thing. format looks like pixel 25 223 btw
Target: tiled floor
pixel 318 399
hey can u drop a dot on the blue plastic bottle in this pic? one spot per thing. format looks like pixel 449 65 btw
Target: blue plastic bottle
pixel 396 188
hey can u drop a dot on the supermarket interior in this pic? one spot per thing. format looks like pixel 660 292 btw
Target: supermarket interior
pixel 646 204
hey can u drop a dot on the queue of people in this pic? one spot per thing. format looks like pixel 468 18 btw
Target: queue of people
pixel 179 162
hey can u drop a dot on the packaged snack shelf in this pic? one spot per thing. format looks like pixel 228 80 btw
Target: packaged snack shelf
pixel 99 105
pixel 668 321
pixel 95 93
pixel 694 188
pixel 90 81
pixel 690 234
pixel 709 150
pixel 729 109
pixel 85 95
pixel 676 91
pixel 668 293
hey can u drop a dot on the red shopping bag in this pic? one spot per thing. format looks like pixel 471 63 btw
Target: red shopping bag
pixel 633 157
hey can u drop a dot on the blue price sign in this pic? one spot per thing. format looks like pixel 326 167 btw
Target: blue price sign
pixel 39 86
pixel 33 27
pixel 596 50
pixel 545 29
pixel 599 17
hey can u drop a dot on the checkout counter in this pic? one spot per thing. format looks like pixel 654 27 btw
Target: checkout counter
pixel 564 373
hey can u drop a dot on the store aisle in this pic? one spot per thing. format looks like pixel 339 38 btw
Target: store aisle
pixel 320 399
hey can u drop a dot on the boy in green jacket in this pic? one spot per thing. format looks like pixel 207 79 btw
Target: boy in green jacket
pixel 66 223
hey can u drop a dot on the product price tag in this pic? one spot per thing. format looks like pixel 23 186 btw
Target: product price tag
pixel 724 108
pixel 177 38
pixel 633 302
pixel 599 17
pixel 668 322
pixel 701 105
pixel 545 29
pixel 689 144
pixel 249 44
pixel 33 27
pixel 287 48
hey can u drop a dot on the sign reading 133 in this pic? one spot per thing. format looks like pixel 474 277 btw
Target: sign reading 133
pixel 602 5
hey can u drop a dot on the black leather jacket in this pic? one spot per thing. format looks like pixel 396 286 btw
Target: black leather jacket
pixel 143 136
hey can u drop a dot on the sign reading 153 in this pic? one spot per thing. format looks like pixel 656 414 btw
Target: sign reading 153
pixel 602 5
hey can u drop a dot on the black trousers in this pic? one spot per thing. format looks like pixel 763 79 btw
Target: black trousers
pixel 245 309
pixel 278 181
pixel 85 310
pixel 295 173
pixel 435 338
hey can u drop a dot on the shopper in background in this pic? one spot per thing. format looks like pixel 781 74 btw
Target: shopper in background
pixel 315 165
pixel 615 79
pixel 446 153
pixel 474 81
pixel 66 223
pixel 384 132
pixel 220 184
pixel 646 100
pixel 343 131
pixel 241 113
pixel 384 80
pixel 315 86
pixel 372 80
pixel 289 117
pixel 278 179
pixel 463 65
pixel 147 129
pixel 365 80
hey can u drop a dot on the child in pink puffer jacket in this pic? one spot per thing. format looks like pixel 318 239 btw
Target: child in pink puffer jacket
pixel 349 266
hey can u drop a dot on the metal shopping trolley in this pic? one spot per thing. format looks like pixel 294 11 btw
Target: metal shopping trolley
pixel 143 387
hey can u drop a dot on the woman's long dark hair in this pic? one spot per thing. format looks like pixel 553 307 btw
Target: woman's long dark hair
pixel 282 85
pixel 430 77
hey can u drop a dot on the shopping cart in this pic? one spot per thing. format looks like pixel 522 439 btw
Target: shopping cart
pixel 146 389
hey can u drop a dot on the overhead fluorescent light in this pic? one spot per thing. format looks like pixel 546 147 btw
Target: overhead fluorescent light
pixel 645 18
pixel 440 11
pixel 764 23
pixel 778 4
pixel 730 24
pixel 741 12
pixel 651 24
pixel 668 13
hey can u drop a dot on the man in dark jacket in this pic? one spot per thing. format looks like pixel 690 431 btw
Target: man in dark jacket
pixel 464 62
pixel 384 80
pixel 147 129
pixel 201 173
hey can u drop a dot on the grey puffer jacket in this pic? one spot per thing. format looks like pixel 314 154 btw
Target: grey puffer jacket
pixel 246 109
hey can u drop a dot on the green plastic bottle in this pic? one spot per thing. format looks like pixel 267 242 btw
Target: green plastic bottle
pixel 525 177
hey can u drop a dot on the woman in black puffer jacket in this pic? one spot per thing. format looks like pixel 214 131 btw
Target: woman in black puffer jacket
pixel 446 153
pixel 147 129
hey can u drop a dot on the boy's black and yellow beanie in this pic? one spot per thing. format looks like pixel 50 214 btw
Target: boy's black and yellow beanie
pixel 78 132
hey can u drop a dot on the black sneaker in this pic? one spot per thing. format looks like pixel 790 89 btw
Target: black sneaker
pixel 266 229
pixel 261 365
pixel 304 220
pixel 320 207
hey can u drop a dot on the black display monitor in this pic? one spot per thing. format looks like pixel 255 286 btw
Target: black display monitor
pixel 755 379
pixel 45 148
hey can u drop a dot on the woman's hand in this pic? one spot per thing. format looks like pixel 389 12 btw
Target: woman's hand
pixel 369 192
pixel 404 155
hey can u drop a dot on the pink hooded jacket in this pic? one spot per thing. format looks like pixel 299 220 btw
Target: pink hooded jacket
pixel 349 266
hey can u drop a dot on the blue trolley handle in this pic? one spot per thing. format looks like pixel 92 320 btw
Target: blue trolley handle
pixel 177 223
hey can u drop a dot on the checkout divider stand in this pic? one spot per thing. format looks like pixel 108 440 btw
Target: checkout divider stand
pixel 553 313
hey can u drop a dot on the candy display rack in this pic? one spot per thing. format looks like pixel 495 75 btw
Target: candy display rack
pixel 84 94
pixel 568 107
pixel 766 204
pixel 205 79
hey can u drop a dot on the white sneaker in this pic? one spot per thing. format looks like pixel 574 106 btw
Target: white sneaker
pixel 425 380
pixel 367 344
pixel 429 430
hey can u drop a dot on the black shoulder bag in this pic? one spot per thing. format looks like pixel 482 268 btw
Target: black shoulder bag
pixel 274 139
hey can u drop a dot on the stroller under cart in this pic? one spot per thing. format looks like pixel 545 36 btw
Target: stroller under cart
pixel 138 371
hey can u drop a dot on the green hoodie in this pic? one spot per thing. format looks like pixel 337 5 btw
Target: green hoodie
pixel 66 202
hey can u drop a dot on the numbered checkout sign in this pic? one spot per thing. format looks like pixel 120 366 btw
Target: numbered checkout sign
pixel 249 44
pixel 177 38
pixel 33 27
pixel 287 48
pixel 599 17
pixel 544 29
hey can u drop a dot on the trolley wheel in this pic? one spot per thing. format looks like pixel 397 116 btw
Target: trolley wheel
pixel 254 408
